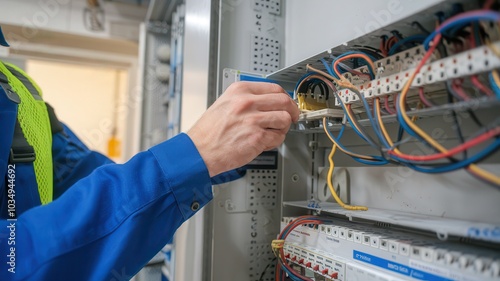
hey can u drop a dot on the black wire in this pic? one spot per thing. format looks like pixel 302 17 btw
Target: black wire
pixel 456 125
pixel 367 47
pixel 451 94
pixel 421 27
pixel 471 113
pixel 261 278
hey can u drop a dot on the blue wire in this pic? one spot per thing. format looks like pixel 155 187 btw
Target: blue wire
pixel 353 127
pixel 375 125
pixel 461 164
pixel 372 72
pixel 376 158
pixel 328 68
pixel 288 228
pixel 487 15
pixel 403 123
pixel 290 275
pixel 341 133
pixel 402 42
pixel 444 168
pixel 494 85
pixel 362 161
pixel 476 33
pixel 302 78
pixel 380 162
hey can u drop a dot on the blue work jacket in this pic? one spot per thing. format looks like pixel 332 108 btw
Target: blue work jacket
pixel 107 220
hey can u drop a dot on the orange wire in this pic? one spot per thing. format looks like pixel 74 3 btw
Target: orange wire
pixel 365 57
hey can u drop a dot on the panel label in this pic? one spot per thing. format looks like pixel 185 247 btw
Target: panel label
pixel 396 267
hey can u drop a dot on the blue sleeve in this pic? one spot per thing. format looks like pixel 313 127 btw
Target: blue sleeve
pixel 72 160
pixel 228 176
pixel 111 223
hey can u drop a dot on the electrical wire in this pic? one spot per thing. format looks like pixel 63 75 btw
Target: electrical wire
pixel 454 87
pixel 495 83
pixel 329 180
pixel 425 101
pixel 277 247
pixel 404 41
pixel 359 130
pixel 421 27
pixel 460 21
pixel 467 145
pixel 387 107
pixel 351 55
pixel 487 5
pixel 261 278
pixel 436 169
pixel 383 42
pixel 408 124
pixel 475 81
pixel 390 43
pixel 401 106
pixel 456 125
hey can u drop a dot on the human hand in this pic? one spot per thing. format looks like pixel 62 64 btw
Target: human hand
pixel 246 120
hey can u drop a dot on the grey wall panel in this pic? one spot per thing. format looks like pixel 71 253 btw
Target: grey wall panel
pixel 317 25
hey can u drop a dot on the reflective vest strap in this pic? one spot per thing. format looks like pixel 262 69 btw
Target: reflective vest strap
pixel 20 151
pixel 55 124
pixel 30 86
pixel 35 124
pixel 35 91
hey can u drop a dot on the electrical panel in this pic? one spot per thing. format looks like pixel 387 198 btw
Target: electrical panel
pixel 392 171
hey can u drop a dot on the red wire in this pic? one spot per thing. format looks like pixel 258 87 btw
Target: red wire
pixel 466 145
pixel 290 227
pixel 424 100
pixel 335 64
pixel 480 86
pixel 488 4
pixel 473 78
pixel 391 42
pixel 472 41
pixel 387 107
pixel 277 271
pixel 457 87
pixel 382 47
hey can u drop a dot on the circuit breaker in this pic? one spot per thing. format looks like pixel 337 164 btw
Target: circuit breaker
pixel 391 173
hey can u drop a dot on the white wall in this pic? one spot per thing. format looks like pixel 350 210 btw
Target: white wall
pixel 66 16
pixel 188 240
pixel 314 26
pixel 83 97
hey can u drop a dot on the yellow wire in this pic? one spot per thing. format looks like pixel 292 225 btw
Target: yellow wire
pixel 496 77
pixel 346 152
pixel 382 127
pixel 494 48
pixel 342 83
pixel 482 173
pixel 330 181
pixel 415 117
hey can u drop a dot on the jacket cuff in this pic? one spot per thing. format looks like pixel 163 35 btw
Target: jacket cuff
pixel 186 173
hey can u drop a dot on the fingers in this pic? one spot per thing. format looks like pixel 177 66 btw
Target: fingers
pixel 277 102
pixel 256 88
pixel 274 120
pixel 273 139
pixel 267 97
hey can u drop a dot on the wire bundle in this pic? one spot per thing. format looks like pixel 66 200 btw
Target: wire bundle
pixel 388 151
pixel 282 266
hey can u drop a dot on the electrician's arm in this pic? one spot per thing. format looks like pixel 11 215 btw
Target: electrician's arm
pixel 71 159
pixel 111 223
